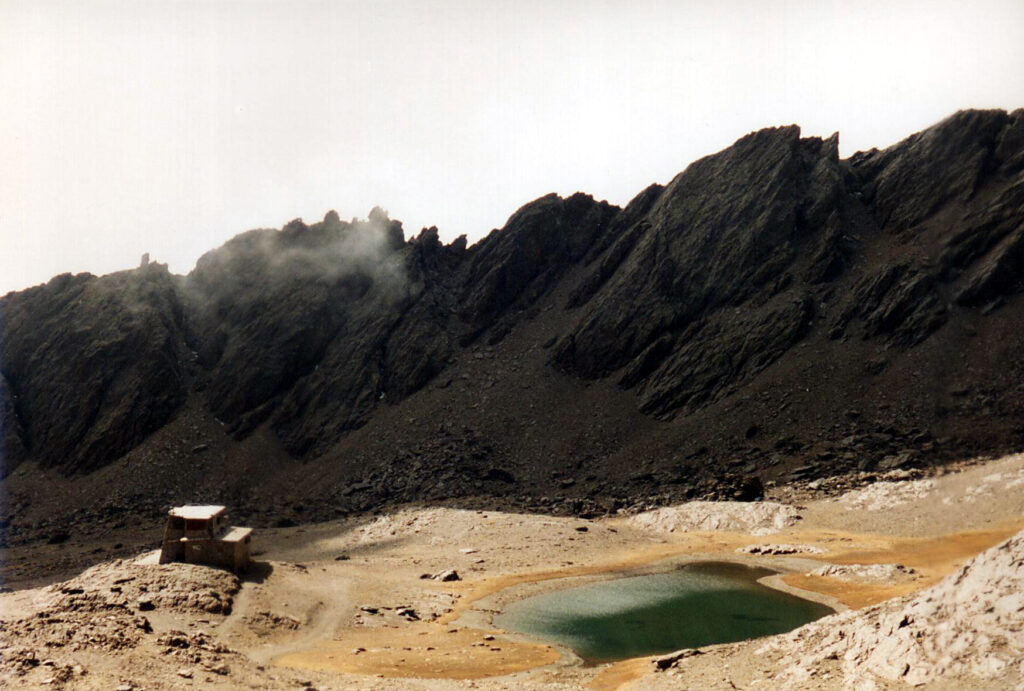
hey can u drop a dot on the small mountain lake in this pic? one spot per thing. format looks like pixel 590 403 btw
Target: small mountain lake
pixel 692 606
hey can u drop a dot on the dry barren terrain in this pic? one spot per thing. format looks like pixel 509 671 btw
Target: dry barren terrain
pixel 362 604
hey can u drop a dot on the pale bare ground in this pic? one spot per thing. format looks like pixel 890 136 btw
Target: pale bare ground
pixel 344 605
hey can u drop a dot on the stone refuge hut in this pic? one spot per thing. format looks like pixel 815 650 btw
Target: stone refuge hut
pixel 201 535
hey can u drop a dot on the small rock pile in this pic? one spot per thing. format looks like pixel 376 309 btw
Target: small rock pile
pixel 867 573
pixel 780 549
pixel 16 662
pixel 144 587
pixel 195 649
pixel 99 610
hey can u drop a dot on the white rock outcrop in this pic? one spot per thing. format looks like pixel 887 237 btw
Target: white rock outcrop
pixel 969 625
pixel 887 495
pixel 758 518
pixel 867 573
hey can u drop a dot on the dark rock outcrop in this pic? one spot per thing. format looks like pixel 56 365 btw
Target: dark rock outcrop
pixel 310 327
pixel 710 285
pixel 95 364
pixel 12 444
pixel 899 302
pixel 991 247
pixel 519 263
pixel 947 163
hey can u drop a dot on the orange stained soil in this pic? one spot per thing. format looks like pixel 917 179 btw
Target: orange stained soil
pixel 442 650
pixel 618 674
pixel 422 650
pixel 932 557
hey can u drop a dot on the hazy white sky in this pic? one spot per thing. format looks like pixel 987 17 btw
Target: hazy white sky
pixel 168 127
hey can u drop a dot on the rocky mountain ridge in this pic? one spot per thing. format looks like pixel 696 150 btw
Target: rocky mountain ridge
pixel 773 311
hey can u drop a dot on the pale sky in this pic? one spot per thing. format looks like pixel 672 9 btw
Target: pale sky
pixel 169 127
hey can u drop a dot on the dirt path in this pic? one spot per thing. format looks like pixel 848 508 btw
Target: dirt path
pixel 309 608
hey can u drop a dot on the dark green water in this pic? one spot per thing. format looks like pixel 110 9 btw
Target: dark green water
pixel 696 605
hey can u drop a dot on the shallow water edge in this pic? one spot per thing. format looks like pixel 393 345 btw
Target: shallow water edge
pixel 693 605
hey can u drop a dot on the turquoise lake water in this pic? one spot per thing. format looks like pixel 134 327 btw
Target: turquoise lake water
pixel 693 606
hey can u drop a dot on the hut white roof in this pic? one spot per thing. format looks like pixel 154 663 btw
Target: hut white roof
pixel 206 512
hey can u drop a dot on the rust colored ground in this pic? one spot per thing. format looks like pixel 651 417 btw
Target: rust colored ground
pixel 439 650
pixel 422 650
pixel 932 557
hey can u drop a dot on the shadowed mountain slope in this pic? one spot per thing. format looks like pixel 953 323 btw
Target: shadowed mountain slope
pixel 773 311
